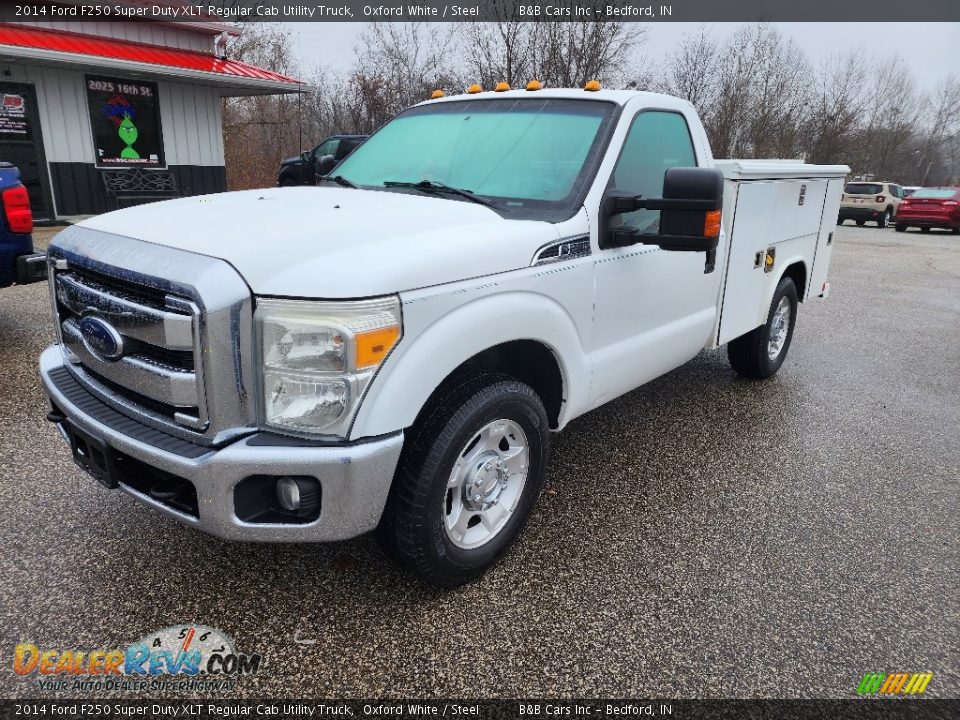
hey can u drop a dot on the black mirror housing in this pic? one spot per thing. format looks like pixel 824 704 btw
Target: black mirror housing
pixel 689 212
pixel 698 192
pixel 305 156
pixel 326 164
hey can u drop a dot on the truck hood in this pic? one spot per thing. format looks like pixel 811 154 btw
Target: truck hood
pixel 327 242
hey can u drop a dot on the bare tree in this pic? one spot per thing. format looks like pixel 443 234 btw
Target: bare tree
pixel 837 102
pixel 892 112
pixel 756 92
pixel 500 50
pixel 397 65
pixel 690 71
pixel 939 144
pixel 260 130
pixel 568 53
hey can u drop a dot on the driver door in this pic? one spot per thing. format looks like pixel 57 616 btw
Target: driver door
pixel 654 309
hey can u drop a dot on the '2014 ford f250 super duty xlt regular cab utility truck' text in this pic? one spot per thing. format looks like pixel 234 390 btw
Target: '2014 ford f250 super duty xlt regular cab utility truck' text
pixel 483 269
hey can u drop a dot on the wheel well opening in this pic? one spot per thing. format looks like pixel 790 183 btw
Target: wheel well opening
pixel 798 273
pixel 530 362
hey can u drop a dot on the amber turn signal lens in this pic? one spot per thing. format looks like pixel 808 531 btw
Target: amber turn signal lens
pixel 373 346
pixel 474 89
pixel 711 223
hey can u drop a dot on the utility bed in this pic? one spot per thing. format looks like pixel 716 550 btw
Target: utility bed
pixel 784 209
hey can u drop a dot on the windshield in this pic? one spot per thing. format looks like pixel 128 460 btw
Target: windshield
pixel 528 157
pixel 935 193
pixel 863 189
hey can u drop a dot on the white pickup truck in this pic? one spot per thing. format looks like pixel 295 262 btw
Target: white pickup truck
pixel 391 349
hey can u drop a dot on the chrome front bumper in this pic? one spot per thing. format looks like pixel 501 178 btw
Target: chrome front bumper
pixel 355 478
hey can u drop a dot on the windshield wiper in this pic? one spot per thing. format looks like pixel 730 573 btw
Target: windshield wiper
pixel 431 186
pixel 339 180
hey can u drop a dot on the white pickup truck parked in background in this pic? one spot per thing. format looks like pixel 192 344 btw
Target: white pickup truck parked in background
pixel 392 348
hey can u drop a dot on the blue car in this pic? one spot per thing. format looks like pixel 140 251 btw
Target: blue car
pixel 18 262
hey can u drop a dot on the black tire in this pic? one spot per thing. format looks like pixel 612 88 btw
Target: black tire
pixel 288 182
pixel 748 354
pixel 884 220
pixel 924 229
pixel 900 228
pixel 860 222
pixel 412 529
pixel 956 231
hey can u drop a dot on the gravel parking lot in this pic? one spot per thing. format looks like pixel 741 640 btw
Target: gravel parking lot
pixel 701 537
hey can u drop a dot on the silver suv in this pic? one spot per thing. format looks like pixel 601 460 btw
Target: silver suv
pixel 873 201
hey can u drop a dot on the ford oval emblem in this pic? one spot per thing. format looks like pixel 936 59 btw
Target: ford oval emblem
pixel 101 338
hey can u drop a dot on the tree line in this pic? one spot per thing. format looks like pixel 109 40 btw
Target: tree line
pixel 757 93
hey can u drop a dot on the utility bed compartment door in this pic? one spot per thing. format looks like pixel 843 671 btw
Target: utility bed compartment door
pixel 821 260
pixel 783 214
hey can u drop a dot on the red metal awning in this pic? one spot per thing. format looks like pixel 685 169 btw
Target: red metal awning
pixel 67 46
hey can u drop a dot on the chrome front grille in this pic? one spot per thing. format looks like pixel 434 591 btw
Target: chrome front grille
pixel 183 337
pixel 161 341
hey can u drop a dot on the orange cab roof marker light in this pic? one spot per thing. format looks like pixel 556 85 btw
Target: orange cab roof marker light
pixel 474 89
pixel 438 93
pixel 592 85
pixel 534 85
pixel 501 87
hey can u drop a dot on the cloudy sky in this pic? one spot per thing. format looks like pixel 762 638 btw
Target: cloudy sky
pixel 932 50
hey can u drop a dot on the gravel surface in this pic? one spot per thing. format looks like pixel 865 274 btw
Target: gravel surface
pixel 703 536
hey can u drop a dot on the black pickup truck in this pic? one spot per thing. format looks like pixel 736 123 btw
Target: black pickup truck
pixel 302 170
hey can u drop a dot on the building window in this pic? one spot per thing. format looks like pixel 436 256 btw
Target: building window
pixel 125 118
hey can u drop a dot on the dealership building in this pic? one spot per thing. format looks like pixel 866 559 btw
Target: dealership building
pixel 101 115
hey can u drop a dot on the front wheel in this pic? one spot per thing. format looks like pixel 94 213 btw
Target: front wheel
pixel 761 352
pixel 470 474
pixel 900 227
pixel 859 222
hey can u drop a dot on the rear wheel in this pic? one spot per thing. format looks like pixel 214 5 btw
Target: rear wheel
pixel 761 352
pixel 925 229
pixel 470 475
pixel 884 219
pixel 899 228
pixel 860 222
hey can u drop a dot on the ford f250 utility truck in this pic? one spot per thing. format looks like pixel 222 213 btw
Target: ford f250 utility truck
pixel 482 270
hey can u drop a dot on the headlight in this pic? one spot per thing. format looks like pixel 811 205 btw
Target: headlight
pixel 317 358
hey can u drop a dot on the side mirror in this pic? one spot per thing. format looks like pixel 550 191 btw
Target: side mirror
pixel 306 156
pixel 325 165
pixel 689 212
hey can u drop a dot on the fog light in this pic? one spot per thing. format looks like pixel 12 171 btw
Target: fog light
pixel 288 494
pixel 298 495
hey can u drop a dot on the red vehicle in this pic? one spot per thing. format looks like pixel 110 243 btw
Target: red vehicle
pixel 930 208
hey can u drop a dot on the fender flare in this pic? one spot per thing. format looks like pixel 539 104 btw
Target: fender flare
pixel 801 291
pixel 429 352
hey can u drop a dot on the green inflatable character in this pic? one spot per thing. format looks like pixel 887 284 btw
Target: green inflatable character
pixel 128 133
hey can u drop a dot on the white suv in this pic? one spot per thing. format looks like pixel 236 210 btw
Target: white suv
pixel 873 201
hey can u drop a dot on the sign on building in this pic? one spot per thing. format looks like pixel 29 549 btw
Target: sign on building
pixel 125 119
